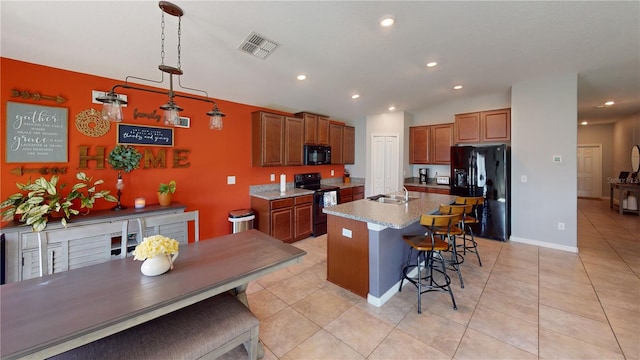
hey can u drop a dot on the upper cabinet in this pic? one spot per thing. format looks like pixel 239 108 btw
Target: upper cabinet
pixel 276 139
pixel 316 128
pixel 336 139
pixel 430 144
pixel 349 145
pixel 484 126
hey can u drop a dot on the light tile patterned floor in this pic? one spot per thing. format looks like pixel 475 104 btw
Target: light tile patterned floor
pixel 526 302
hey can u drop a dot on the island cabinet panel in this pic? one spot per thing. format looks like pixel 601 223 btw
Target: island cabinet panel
pixel 419 144
pixel 349 145
pixel 348 257
pixel 268 132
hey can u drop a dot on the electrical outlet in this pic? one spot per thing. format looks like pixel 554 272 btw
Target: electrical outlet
pixel 561 226
pixel 273 177
pixel 346 233
pixel 332 172
pixel 523 178
pixel 231 180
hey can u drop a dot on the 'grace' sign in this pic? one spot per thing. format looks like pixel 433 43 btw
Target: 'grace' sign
pixel 36 133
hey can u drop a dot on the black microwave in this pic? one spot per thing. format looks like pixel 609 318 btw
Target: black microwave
pixel 317 155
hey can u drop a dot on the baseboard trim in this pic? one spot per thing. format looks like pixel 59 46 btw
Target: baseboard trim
pixel 572 249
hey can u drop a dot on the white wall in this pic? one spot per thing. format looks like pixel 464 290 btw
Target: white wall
pixel 602 135
pixel 543 124
pixel 626 133
pixel 359 169
pixel 387 124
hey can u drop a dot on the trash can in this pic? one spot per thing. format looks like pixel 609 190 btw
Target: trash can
pixel 241 220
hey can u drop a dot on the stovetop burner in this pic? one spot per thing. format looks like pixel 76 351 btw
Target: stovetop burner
pixel 311 181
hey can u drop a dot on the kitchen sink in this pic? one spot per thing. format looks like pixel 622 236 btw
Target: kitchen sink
pixel 390 200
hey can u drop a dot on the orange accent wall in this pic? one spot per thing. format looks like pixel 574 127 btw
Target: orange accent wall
pixel 213 156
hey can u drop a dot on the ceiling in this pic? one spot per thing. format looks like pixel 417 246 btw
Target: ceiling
pixel 484 46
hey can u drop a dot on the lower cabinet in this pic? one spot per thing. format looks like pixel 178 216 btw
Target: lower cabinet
pixel 424 189
pixel 351 194
pixel 288 219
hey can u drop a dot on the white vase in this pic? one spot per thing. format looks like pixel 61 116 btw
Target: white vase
pixel 158 265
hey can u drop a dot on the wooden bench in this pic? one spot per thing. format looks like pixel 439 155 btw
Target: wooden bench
pixel 205 330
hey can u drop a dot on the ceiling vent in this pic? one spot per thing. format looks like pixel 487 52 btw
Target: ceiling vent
pixel 258 45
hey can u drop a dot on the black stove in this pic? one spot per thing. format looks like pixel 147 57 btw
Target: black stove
pixel 323 196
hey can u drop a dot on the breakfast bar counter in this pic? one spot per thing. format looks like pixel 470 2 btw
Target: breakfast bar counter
pixel 365 250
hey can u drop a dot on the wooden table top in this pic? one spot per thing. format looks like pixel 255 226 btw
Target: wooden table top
pixel 55 311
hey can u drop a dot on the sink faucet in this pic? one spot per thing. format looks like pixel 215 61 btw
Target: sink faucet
pixel 406 193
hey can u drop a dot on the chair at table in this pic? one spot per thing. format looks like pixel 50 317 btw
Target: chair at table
pixel 471 217
pixel 76 247
pixel 172 225
pixel 429 249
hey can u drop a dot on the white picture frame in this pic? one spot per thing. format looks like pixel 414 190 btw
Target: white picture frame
pixel 184 122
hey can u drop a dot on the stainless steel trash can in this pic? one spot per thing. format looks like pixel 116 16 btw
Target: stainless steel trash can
pixel 241 220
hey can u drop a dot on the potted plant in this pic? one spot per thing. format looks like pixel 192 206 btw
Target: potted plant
pixel 42 200
pixel 123 158
pixel 85 191
pixel 165 192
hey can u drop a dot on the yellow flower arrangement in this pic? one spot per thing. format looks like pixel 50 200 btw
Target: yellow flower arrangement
pixel 155 245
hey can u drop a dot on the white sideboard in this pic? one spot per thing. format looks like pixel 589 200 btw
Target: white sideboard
pixel 22 246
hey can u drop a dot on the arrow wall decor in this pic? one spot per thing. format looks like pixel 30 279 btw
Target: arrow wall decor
pixel 20 170
pixel 36 96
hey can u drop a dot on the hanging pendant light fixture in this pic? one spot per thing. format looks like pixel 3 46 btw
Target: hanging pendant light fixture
pixel 112 103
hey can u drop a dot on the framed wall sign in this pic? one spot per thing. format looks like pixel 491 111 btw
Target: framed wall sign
pixel 36 133
pixel 184 122
pixel 145 135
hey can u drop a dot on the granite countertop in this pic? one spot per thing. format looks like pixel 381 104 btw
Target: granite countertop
pixel 391 215
pixel 276 194
pixel 430 184
pixel 343 185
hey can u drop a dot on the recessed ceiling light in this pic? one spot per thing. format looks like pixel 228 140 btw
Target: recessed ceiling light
pixel 432 64
pixel 609 103
pixel 355 96
pixel 387 20
pixel 391 108
pixel 584 123
pixel 457 87
pixel 301 77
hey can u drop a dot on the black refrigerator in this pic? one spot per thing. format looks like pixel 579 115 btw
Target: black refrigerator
pixel 485 171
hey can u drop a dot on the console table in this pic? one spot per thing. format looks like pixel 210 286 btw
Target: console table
pixel 49 315
pixel 22 252
pixel 621 189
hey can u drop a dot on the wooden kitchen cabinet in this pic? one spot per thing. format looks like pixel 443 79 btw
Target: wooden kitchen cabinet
pixel 349 145
pixel 358 193
pixel 441 141
pixel 351 194
pixel 430 144
pixel 419 144
pixel 288 219
pixel 268 131
pixel 348 257
pixel 425 189
pixel 316 128
pixel 276 140
pixel 336 136
pixel 484 126
pixel 293 139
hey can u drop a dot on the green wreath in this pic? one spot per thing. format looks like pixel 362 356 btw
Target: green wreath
pixel 125 158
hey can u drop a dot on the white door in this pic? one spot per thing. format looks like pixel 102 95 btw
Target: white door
pixel 384 164
pixel 590 171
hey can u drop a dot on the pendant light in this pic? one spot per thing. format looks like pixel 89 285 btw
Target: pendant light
pixel 112 103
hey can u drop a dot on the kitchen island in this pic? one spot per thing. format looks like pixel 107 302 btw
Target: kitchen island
pixel 365 250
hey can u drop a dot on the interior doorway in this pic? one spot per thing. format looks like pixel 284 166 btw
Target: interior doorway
pixel 590 171
pixel 384 163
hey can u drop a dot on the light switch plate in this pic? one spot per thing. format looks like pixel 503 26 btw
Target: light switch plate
pixel 231 180
pixel 273 177
pixel 557 158
pixel 332 172
pixel 523 178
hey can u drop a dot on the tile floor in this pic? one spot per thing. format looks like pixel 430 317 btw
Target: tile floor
pixel 526 302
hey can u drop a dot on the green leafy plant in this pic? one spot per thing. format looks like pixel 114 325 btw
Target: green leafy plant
pixel 41 199
pixel 86 191
pixel 125 158
pixel 167 188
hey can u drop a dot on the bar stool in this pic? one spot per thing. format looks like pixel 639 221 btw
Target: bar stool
pixel 470 217
pixel 429 247
pixel 456 259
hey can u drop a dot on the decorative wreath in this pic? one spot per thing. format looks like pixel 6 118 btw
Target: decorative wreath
pixel 90 123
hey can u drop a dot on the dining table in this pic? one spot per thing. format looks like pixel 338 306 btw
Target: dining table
pixel 49 315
